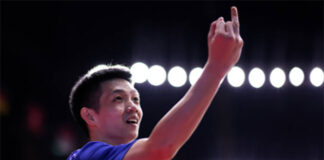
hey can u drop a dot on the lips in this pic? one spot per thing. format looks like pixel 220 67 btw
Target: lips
pixel 132 120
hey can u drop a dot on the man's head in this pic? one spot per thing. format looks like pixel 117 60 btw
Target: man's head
pixel 105 102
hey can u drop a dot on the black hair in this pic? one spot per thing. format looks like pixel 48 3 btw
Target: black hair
pixel 86 91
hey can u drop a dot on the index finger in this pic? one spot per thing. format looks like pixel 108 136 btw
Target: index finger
pixel 235 19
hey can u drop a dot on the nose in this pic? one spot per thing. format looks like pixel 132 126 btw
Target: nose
pixel 131 107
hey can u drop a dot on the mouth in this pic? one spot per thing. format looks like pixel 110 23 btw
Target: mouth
pixel 132 120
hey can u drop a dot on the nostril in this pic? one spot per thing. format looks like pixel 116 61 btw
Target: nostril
pixel 129 109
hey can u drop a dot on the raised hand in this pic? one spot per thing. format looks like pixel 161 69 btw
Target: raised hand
pixel 224 42
pixel 176 127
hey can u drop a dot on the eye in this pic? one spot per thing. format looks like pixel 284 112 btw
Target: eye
pixel 118 98
pixel 136 99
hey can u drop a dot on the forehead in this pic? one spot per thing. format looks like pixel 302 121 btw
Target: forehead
pixel 111 86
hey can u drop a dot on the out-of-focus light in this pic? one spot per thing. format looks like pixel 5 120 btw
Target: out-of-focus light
pixel 64 142
pixel 139 72
pixel 236 76
pixel 316 77
pixel 256 77
pixel 177 76
pixel 35 119
pixel 296 76
pixel 156 75
pixel 194 75
pixel 277 77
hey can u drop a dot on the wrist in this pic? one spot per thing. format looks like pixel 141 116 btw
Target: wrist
pixel 217 68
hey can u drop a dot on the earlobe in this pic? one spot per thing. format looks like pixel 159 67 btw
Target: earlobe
pixel 87 116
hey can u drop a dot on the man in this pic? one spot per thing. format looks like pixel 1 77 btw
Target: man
pixel 107 105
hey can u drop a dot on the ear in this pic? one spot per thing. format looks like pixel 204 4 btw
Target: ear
pixel 88 115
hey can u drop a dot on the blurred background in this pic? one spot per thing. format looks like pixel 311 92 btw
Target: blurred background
pixel 46 46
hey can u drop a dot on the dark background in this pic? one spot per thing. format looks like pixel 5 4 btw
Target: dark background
pixel 46 46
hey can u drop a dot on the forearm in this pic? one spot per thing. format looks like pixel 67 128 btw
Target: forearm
pixel 174 129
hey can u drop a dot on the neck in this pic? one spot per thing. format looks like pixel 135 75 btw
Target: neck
pixel 108 140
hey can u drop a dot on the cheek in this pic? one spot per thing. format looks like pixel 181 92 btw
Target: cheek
pixel 140 111
pixel 111 115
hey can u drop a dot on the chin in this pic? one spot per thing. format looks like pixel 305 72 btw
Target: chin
pixel 132 136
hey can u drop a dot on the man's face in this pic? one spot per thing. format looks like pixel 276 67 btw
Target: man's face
pixel 120 112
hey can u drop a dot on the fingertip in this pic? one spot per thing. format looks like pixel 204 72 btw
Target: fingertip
pixel 234 11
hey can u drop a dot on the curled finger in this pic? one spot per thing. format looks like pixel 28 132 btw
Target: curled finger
pixel 229 29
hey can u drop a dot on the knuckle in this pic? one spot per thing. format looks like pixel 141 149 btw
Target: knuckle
pixel 236 23
pixel 226 36
pixel 222 35
pixel 240 41
pixel 230 37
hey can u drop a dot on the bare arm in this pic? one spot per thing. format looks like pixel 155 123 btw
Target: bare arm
pixel 175 128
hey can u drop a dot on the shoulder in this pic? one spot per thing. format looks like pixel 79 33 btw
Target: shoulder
pixel 100 150
pixel 144 150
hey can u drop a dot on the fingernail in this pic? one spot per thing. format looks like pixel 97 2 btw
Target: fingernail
pixel 234 11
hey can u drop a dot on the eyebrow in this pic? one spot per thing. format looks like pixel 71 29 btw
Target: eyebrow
pixel 123 91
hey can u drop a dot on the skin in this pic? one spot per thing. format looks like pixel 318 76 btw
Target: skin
pixel 176 127
pixel 119 102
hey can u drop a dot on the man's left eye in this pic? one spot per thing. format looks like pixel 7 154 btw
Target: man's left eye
pixel 136 99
